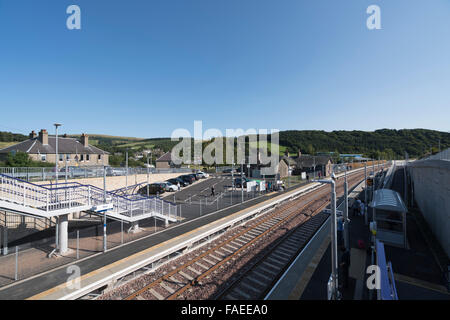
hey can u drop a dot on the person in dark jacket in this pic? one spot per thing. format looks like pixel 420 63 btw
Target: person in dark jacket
pixel 212 191
pixel 345 266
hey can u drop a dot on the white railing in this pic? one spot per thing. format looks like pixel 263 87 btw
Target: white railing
pixel 48 173
pixel 443 155
pixel 74 195
pixel 389 175
pixel 41 197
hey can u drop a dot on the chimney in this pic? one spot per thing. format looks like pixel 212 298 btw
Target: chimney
pixel 84 139
pixel 32 135
pixel 43 136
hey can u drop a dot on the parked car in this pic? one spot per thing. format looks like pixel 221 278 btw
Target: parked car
pixel 154 188
pixel 110 171
pixel 203 175
pixel 197 175
pixel 188 178
pixel 170 186
pixel 194 175
pixel 229 170
pixel 177 180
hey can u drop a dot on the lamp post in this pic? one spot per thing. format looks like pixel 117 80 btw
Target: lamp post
pixel 242 182
pixel 314 167
pixel 148 177
pixel 345 217
pixel 104 200
pixel 56 153
pixel 365 193
pixel 334 257
pixel 126 173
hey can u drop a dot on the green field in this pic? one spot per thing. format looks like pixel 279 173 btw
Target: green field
pixel 6 144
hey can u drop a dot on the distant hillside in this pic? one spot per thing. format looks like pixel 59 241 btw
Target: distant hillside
pixel 11 137
pixel 386 143
pixel 416 142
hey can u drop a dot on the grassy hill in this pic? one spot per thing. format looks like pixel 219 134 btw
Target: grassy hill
pixel 416 142
pixel 384 143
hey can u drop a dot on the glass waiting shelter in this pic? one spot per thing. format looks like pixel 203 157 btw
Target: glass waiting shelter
pixel 389 213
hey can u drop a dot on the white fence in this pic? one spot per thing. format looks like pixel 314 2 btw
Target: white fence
pixel 45 174
pixel 74 195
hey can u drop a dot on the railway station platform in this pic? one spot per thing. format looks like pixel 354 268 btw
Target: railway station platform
pixel 415 269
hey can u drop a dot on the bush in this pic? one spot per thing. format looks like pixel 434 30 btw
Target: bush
pixel 22 159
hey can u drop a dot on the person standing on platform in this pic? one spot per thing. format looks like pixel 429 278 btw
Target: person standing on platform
pixel 358 207
pixel 362 208
pixel 345 266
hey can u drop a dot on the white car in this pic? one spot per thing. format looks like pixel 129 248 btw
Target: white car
pixel 170 187
pixel 202 174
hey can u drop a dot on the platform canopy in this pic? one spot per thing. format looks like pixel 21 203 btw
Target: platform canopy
pixel 389 200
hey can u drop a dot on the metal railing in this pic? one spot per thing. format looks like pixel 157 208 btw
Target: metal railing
pixel 48 173
pixel 443 155
pixel 389 176
pixel 73 195
pixel 41 197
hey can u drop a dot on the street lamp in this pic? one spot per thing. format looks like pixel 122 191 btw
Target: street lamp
pixel 148 177
pixel 345 217
pixel 104 201
pixel 56 153
pixel 334 258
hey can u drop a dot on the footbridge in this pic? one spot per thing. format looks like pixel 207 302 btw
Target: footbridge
pixel 47 201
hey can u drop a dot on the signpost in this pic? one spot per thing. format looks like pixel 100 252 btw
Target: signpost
pixel 103 208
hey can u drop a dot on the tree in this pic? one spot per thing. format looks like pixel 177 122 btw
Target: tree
pixel 310 150
pixel 22 159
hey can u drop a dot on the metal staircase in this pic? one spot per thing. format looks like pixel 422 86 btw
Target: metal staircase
pixel 47 201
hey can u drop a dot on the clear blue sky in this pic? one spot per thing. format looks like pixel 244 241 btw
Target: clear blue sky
pixel 145 68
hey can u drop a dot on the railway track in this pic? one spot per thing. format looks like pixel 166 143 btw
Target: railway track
pixel 258 277
pixel 268 243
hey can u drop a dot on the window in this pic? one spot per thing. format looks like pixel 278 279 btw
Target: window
pixel 67 156
pixel 82 157
pixel 99 157
pixel 87 157
pixel 43 157
pixel 61 157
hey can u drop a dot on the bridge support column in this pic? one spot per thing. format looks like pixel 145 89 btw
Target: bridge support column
pixel 5 240
pixel 63 223
pixel 167 222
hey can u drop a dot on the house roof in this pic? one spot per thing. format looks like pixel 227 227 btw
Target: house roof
pixel 307 161
pixel 289 161
pixel 65 145
pixel 166 157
